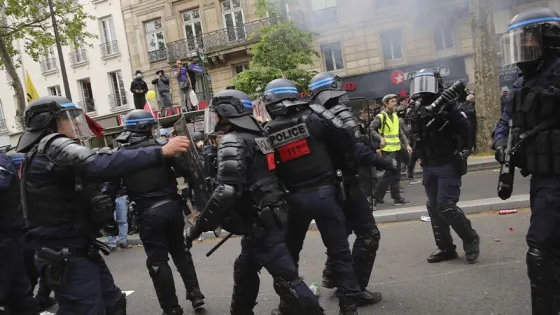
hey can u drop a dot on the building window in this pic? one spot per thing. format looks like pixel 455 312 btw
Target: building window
pixel 281 9
pixel 154 35
pixel 86 95
pixel 192 26
pixel 118 98
pixel 443 37
pixel 324 11
pixel 237 69
pixel 109 41
pixel 391 43
pixel 48 62
pixel 332 55
pixel 54 90
pixel 233 19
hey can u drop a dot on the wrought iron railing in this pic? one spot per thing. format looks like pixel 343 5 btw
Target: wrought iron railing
pixel 157 55
pixel 109 48
pixel 48 65
pixel 117 100
pixel 78 57
pixel 215 41
pixel 88 105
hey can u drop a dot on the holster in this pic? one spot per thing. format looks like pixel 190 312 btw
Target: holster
pixel 460 164
pixel 270 217
pixel 59 266
pixel 102 208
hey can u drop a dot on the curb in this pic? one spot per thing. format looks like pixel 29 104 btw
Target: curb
pixel 489 165
pixel 411 213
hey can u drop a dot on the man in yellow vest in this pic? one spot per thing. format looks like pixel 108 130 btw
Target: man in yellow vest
pixel 391 136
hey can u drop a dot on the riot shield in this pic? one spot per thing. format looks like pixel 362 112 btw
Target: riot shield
pixel 367 174
pixel 196 176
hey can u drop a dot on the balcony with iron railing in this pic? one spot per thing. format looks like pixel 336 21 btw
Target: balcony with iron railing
pixel 117 100
pixel 215 41
pixel 88 105
pixel 110 49
pixel 48 66
pixel 78 57
pixel 157 55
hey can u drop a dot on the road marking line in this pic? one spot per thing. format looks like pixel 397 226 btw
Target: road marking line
pixel 128 292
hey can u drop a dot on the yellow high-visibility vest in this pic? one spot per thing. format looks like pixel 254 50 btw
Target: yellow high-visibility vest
pixel 390 131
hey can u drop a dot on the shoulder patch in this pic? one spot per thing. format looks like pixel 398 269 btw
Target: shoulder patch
pixel 264 145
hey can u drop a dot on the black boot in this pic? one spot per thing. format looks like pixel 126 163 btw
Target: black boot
pixel 185 266
pixel 440 255
pixel 174 311
pixel 120 306
pixel 162 277
pixel 462 226
pixel 347 306
pixel 329 280
pixel 442 236
pixel 368 298
pixel 246 283
pixel 472 250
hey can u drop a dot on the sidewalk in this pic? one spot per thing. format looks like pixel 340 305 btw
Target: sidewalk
pixel 475 163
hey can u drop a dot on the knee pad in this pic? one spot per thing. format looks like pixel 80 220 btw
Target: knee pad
pixel 243 270
pixel 344 255
pixel 286 290
pixel 154 267
pixel 370 242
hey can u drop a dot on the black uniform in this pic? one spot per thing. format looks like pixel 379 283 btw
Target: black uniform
pixel 356 208
pixel 162 223
pixel 532 113
pixel 16 295
pixel 64 209
pixel 441 143
pixel 302 137
pixel 248 201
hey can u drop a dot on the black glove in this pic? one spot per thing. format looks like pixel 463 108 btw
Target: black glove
pixel 465 154
pixel 391 165
pixel 500 154
pixel 192 234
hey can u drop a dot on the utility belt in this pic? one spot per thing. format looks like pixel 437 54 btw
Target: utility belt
pixel 60 261
pixel 269 218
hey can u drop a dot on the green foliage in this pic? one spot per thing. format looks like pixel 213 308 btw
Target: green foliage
pixel 282 49
pixel 30 20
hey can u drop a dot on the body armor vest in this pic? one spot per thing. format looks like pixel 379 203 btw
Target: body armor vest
pixel 301 158
pixel 60 201
pixel 11 202
pixel 435 144
pixel 534 104
pixel 345 160
pixel 150 179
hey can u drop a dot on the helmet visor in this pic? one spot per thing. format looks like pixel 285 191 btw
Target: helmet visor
pixel 521 45
pixel 424 83
pixel 210 119
pixel 73 124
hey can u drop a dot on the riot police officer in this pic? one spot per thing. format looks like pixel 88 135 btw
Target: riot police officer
pixel 302 137
pixel 442 141
pixel 16 295
pixel 248 201
pixel 327 90
pixel 63 208
pixel 532 41
pixel 162 223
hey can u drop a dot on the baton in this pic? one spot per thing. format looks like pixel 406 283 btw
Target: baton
pixel 219 244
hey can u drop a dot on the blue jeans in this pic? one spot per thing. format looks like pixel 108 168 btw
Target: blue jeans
pixel 121 216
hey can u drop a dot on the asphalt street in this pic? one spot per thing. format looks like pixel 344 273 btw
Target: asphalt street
pixel 475 185
pixel 497 284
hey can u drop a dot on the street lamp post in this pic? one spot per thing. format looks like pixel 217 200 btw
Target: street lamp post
pixel 60 56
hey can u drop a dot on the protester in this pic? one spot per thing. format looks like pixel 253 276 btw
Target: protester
pixel 185 86
pixel 121 216
pixel 469 109
pixel 162 84
pixel 139 88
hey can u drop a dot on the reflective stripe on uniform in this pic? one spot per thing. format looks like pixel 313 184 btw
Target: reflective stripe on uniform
pixel 390 131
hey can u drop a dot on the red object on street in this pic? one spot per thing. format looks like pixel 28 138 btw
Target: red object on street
pixel 94 126
pixel 511 229
pixel 507 211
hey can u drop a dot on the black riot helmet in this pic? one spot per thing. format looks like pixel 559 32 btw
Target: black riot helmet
pixel 327 89
pixel 139 121
pixel 49 114
pixel 426 82
pixel 279 95
pixel 530 35
pixel 233 105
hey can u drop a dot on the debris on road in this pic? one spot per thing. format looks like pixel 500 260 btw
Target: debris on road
pixel 425 218
pixel 501 212
pixel 314 287
pixel 497 240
